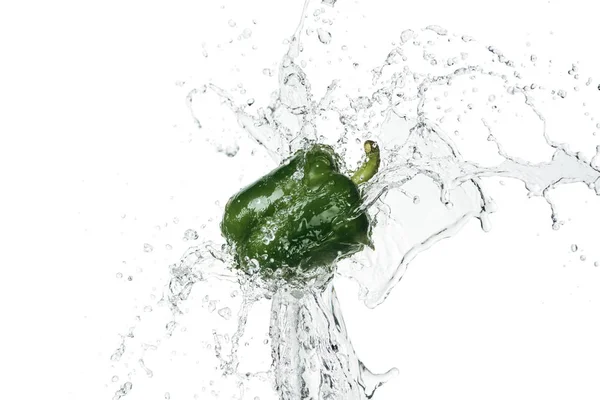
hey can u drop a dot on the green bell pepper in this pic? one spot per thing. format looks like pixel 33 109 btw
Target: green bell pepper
pixel 300 218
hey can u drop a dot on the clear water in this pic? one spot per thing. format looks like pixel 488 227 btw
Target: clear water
pixel 448 113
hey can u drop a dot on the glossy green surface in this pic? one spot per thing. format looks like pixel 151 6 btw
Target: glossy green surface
pixel 303 215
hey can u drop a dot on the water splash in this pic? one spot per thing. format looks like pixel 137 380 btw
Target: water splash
pixel 404 114
pixel 446 111
pixel 312 354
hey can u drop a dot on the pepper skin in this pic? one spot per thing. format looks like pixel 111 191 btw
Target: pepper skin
pixel 300 218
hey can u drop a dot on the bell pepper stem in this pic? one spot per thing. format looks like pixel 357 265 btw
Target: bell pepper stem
pixel 370 166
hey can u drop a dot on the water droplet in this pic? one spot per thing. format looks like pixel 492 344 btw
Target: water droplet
pixel 225 312
pixel 212 305
pixel 118 353
pixel 148 248
pixel 246 33
pixel 574 248
pixel 250 101
pixel 583 257
pixel 170 327
pixel 491 98
pixel 148 309
pixel 190 234
pixel 119 275
pixel 231 150
pixel 231 23
pixel 406 35
pixel 324 36
pixel 168 247
pixel 125 388
pixel 130 278
pixel 533 58
pixel 416 200
pixel 115 378
pixel 438 29
pixel 597 264
pixel 267 72
pixel 167 395
pixel 562 93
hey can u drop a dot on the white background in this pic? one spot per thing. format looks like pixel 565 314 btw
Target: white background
pixel 93 127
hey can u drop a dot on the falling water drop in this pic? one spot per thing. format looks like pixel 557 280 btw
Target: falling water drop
pixel 324 36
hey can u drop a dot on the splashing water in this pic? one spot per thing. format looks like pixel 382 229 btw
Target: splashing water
pixel 312 354
pixel 448 113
